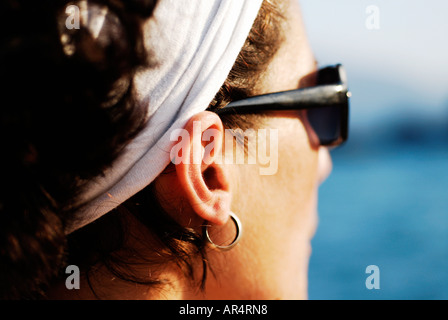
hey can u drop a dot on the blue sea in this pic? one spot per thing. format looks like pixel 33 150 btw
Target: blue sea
pixel 385 204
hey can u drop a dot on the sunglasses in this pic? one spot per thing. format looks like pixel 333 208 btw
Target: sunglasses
pixel 327 105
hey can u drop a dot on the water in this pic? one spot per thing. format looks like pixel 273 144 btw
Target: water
pixel 388 207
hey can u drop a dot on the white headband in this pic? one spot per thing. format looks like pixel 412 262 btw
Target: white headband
pixel 195 44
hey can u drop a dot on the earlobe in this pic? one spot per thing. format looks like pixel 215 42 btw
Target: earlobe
pixel 203 178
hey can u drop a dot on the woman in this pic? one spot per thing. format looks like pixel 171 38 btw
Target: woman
pixel 97 117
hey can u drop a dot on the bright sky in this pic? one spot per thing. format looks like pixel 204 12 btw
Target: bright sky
pixel 401 65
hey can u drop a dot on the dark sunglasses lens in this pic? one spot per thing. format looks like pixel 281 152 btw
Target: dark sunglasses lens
pixel 328 124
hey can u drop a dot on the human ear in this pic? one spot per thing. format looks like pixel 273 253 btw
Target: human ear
pixel 200 171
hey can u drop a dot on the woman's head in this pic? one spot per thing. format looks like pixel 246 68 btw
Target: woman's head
pixel 157 237
pixel 278 210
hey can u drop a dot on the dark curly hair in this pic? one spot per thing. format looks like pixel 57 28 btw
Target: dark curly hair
pixel 66 116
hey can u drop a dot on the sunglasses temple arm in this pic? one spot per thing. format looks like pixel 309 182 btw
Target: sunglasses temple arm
pixel 290 100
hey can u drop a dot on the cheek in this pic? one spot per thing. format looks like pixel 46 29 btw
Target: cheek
pixel 278 213
pixel 298 183
pixel 288 216
pixel 298 160
pixel 288 198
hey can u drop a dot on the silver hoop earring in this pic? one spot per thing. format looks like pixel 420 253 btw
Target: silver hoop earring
pixel 239 230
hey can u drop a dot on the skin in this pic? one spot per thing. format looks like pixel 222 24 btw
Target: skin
pixel 278 212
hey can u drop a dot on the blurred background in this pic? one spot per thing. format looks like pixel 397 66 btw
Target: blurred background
pixel 386 202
